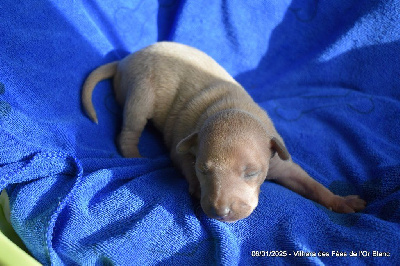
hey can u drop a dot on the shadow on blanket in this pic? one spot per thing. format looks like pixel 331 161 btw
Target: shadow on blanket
pixel 296 42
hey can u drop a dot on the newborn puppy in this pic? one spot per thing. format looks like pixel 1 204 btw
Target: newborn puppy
pixel 222 141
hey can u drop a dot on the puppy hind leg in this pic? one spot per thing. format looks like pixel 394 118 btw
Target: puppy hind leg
pixel 138 109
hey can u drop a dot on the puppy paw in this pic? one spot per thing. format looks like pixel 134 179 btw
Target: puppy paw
pixel 348 204
pixel 131 152
pixel 127 146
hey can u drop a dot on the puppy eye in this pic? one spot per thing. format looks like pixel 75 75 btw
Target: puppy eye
pixel 202 171
pixel 252 174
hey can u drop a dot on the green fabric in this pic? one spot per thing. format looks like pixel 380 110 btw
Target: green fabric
pixel 13 250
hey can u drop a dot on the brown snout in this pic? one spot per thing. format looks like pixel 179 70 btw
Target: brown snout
pixel 226 211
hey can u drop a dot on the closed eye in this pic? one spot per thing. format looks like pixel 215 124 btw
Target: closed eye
pixel 206 167
pixel 252 174
pixel 203 170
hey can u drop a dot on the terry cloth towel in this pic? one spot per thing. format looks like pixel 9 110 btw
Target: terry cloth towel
pixel 327 72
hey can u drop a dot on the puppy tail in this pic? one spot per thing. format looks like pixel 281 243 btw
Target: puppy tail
pixel 103 72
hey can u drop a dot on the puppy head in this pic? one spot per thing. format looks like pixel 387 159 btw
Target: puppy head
pixel 232 152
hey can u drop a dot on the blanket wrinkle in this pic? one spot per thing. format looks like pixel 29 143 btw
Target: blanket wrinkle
pixel 168 14
pixel 334 22
pixel 325 71
pixel 32 176
pixel 37 165
pixel 103 23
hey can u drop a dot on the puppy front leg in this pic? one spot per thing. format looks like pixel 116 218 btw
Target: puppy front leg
pixel 291 175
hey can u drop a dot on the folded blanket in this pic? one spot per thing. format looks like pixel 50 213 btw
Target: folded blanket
pixel 327 72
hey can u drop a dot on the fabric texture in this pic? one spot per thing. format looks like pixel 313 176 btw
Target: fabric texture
pixel 327 72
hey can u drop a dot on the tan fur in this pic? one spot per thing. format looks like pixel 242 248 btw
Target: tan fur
pixel 218 136
pixel 103 72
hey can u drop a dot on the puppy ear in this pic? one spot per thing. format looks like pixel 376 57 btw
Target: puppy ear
pixel 280 148
pixel 185 145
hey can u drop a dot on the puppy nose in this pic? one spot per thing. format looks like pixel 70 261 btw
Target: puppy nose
pixel 220 212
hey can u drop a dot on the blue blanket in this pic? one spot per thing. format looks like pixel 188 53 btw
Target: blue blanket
pixel 327 72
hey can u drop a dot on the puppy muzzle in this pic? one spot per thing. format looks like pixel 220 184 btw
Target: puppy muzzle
pixel 227 212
